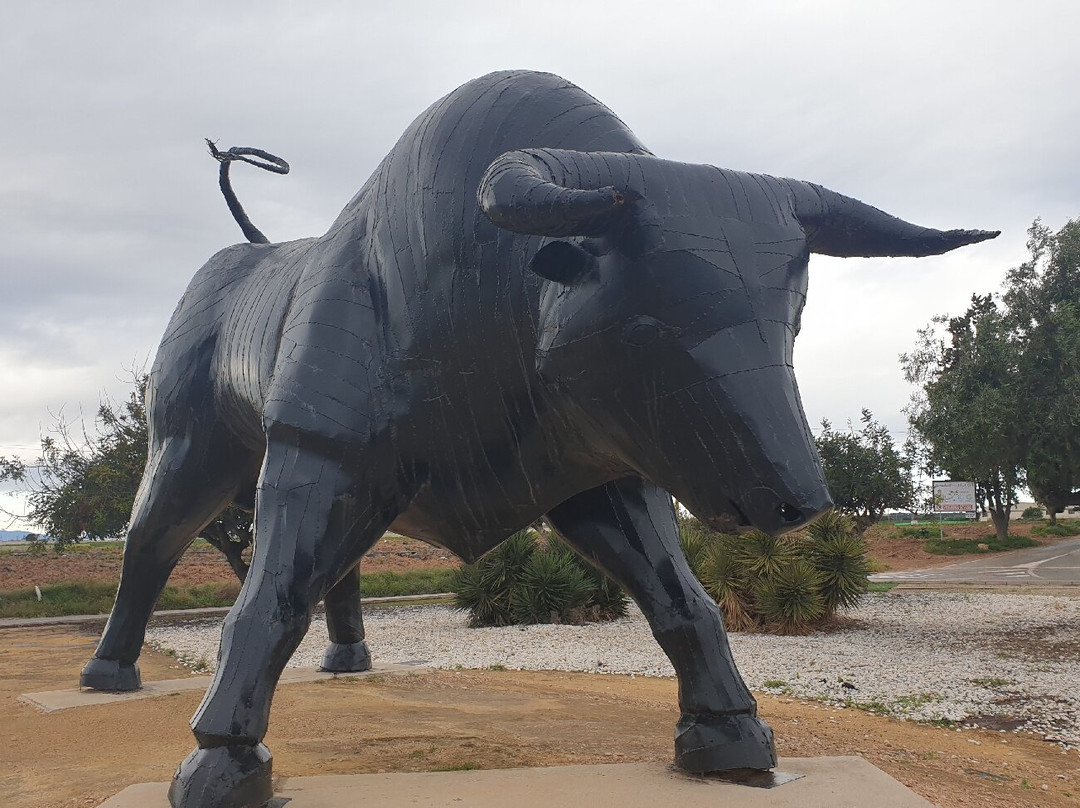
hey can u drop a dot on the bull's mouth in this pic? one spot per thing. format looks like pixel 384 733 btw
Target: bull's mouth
pixel 734 520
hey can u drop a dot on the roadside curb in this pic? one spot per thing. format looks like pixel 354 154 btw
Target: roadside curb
pixel 169 615
pixel 1063 588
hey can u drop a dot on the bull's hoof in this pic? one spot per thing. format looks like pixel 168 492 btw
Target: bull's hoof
pixel 346 658
pixel 709 743
pixel 223 777
pixel 110 674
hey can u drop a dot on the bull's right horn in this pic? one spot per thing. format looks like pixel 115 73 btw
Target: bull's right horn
pixel 839 225
pixel 518 192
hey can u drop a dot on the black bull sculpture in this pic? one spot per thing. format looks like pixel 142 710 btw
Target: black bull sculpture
pixel 522 314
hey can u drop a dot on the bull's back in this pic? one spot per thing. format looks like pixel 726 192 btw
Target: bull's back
pixel 446 268
pixel 218 351
pixel 432 302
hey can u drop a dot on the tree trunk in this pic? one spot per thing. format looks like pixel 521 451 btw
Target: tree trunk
pixel 1053 515
pixel 1000 517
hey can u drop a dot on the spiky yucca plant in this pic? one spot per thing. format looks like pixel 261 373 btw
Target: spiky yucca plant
pixel 790 600
pixel 838 552
pixel 763 554
pixel 695 539
pixel 549 589
pixel 781 583
pixel 530 580
pixel 725 577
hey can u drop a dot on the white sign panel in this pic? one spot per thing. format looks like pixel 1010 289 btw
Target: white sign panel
pixel 954 496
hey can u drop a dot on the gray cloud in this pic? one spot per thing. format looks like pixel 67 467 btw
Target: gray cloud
pixel 951 115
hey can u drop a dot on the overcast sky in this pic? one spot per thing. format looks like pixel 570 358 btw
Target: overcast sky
pixel 948 114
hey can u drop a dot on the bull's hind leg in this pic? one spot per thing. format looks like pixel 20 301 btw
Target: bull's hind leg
pixel 347 652
pixel 310 529
pixel 184 486
pixel 627 529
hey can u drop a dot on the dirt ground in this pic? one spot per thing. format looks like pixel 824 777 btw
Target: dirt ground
pixel 890 551
pixel 464 719
pixel 201 564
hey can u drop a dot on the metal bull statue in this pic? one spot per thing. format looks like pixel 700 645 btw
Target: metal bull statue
pixel 522 314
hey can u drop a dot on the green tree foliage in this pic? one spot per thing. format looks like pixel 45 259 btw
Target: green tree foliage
pixel 83 487
pixel 528 579
pixel 967 414
pixel 864 471
pixel 1043 296
pixel 999 398
pixel 788 584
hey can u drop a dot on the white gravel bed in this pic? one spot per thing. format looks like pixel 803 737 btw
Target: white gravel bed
pixel 1002 661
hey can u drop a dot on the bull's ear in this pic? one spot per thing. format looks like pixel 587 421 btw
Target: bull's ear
pixel 562 262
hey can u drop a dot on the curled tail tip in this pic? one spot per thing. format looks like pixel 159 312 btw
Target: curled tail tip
pixel 214 151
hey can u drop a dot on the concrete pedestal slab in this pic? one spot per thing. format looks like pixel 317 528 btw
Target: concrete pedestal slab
pixel 52 700
pixel 828 782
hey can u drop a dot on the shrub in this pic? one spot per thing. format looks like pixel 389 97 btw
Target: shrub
pixel 528 580
pixel 839 554
pixel 916 532
pixel 1063 528
pixel 1032 512
pixel 550 588
pixel 779 583
pixel 725 577
pixel 694 538
pixel 791 599
pixel 966 546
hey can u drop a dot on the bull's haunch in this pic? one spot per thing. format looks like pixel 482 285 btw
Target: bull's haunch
pixel 522 314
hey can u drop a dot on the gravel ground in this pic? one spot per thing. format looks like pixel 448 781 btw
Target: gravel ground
pixel 1009 662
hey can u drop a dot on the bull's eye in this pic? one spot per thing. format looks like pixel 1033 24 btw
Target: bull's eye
pixel 643 330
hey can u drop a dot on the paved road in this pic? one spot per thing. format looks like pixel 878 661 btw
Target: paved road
pixel 1058 565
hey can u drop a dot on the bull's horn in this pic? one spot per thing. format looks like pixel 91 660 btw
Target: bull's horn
pixel 839 225
pixel 520 192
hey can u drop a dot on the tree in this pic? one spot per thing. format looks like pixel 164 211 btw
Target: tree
pixel 81 489
pixel 1043 296
pixel 864 471
pixel 968 414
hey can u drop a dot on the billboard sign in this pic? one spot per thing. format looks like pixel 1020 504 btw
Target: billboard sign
pixel 954 496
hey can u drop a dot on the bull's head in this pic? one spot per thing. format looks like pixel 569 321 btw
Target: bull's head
pixel 671 317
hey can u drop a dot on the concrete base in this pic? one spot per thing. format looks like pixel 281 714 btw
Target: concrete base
pixel 52 700
pixel 830 782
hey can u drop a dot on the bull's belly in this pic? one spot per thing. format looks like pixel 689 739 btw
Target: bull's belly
pixel 474 511
pixel 467 535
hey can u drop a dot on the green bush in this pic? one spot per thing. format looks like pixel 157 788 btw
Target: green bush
pixel 791 598
pixel 787 584
pixel 550 589
pixel 1032 512
pixel 725 576
pixel 527 580
pixel 839 554
pixel 966 546
pixel 917 532
pixel 1065 527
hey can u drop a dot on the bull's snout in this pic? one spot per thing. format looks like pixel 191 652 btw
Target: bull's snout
pixel 768 511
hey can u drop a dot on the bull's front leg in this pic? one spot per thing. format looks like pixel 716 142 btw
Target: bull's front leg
pixel 627 529
pixel 310 529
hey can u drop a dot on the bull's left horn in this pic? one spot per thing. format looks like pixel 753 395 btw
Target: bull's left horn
pixel 518 192
pixel 839 225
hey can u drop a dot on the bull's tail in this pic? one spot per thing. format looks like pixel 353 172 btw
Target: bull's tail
pixel 265 161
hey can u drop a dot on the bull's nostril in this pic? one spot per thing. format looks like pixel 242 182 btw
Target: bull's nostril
pixel 790 514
